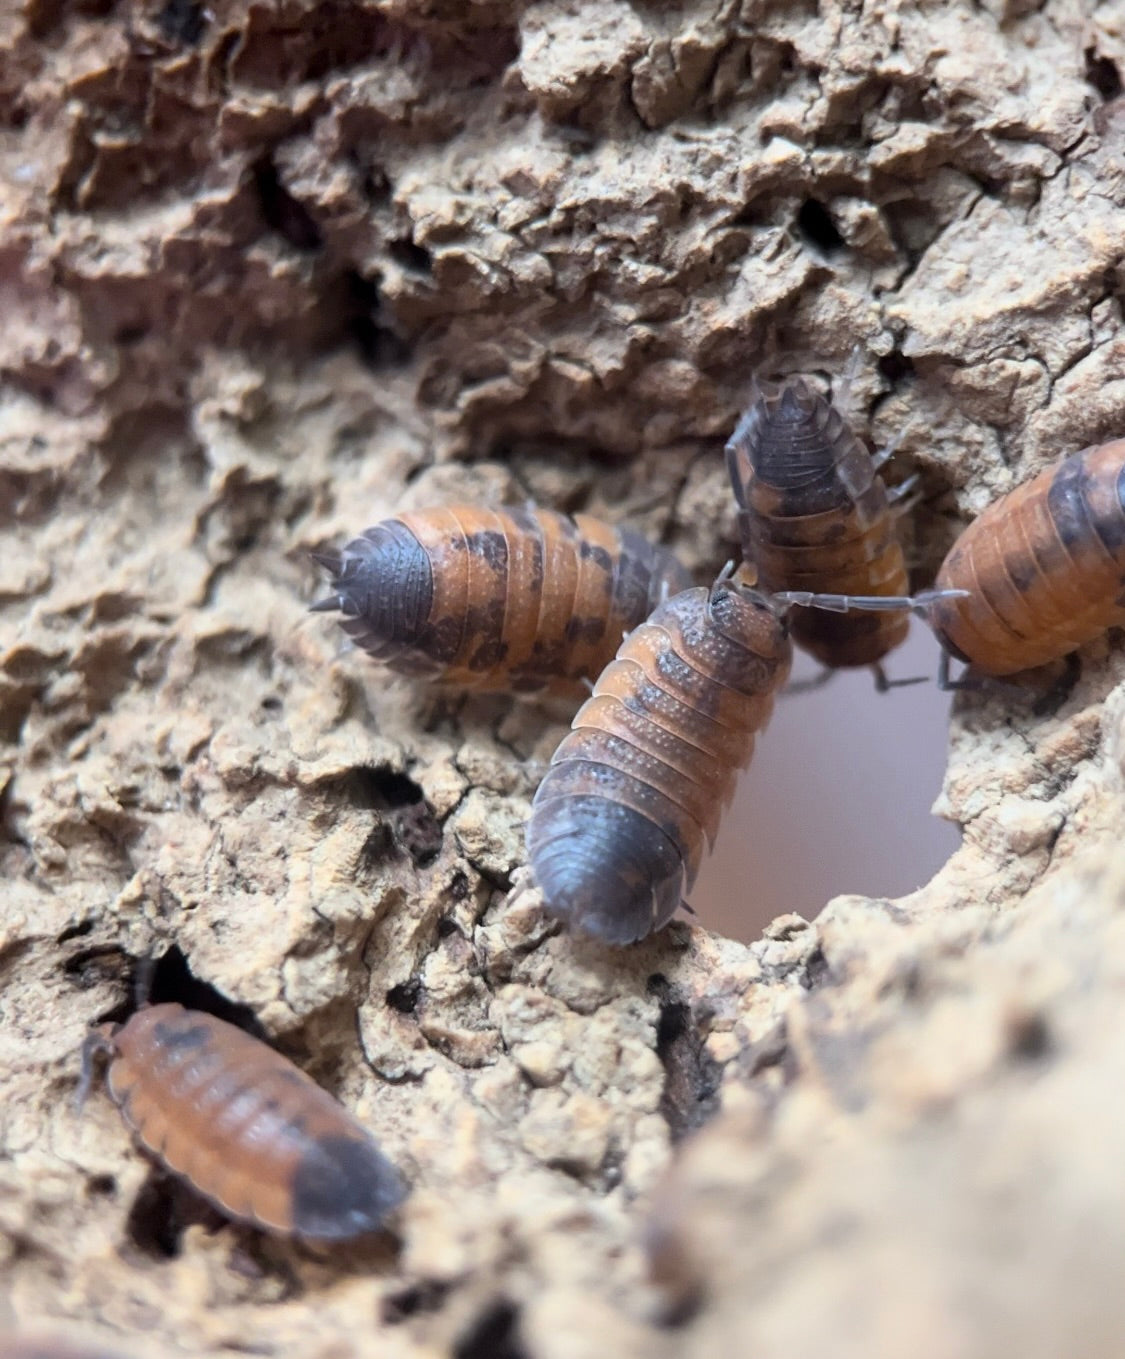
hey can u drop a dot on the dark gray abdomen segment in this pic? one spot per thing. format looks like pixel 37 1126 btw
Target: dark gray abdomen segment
pixel 596 862
pixel 386 590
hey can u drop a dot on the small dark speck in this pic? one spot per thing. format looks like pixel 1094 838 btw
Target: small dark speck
pixel 405 996
pixel 416 1300
pixel 816 970
pixel 1029 1036
pixel 271 704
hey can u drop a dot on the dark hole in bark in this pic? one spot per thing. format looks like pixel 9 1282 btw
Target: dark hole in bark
pixel 182 21
pixel 370 325
pixel 1103 75
pixel 493 1335
pixel 1029 1037
pixel 815 225
pixel 77 931
pixel 405 996
pixel 895 366
pixel 415 828
pixel 417 1300
pixel 168 979
pixel 281 211
pixel 410 255
pixel 691 1075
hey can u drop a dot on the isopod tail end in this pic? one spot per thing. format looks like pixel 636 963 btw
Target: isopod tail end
pixel 331 561
pixel 333 604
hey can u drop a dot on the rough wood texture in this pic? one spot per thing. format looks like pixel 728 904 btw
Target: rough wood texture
pixel 272 270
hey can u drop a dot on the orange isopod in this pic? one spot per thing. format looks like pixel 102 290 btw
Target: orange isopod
pixel 526 601
pixel 1043 568
pixel 638 786
pixel 244 1127
pixel 815 517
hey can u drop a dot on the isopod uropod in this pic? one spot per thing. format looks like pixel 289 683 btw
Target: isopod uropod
pixel 815 516
pixel 1043 568
pixel 618 826
pixel 244 1127
pixel 520 600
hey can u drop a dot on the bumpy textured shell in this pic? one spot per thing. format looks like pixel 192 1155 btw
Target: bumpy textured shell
pixel 1044 567
pixel 524 601
pixel 814 515
pixel 246 1129
pixel 637 787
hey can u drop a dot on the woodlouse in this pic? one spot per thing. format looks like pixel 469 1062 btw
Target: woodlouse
pixel 639 784
pixel 520 600
pixel 1043 568
pixel 815 516
pixel 244 1127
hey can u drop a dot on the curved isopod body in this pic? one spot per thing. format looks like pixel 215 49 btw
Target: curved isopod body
pixel 815 516
pixel 520 600
pixel 245 1128
pixel 1043 568
pixel 618 826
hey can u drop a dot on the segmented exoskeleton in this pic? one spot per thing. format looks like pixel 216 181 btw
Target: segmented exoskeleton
pixel 527 601
pixel 637 788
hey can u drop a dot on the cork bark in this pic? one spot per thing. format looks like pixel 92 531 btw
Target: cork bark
pixel 273 269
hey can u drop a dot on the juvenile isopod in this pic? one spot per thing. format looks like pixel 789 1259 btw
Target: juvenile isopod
pixel 815 516
pixel 638 786
pixel 1043 568
pixel 524 601
pixel 244 1127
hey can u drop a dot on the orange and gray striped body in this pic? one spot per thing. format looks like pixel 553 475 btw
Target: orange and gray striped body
pixel 525 601
pixel 814 515
pixel 246 1129
pixel 638 786
pixel 1044 567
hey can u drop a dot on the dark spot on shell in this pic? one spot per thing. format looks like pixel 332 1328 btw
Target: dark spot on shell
pixel 1068 503
pixel 584 630
pixel 492 547
pixel 594 552
pixel 184 1040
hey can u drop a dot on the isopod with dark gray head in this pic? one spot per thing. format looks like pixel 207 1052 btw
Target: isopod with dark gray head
pixel 636 790
pixel 522 601
pixel 246 1129
pixel 815 516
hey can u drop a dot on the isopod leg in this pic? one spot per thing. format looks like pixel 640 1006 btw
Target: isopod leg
pixel 96 1044
pixel 807 686
pixel 884 685
pixel 919 603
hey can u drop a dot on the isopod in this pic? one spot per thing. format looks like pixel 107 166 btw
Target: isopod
pixel 244 1127
pixel 638 786
pixel 1042 569
pixel 815 516
pixel 527 601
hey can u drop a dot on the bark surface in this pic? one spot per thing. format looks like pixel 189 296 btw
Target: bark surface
pixel 272 271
